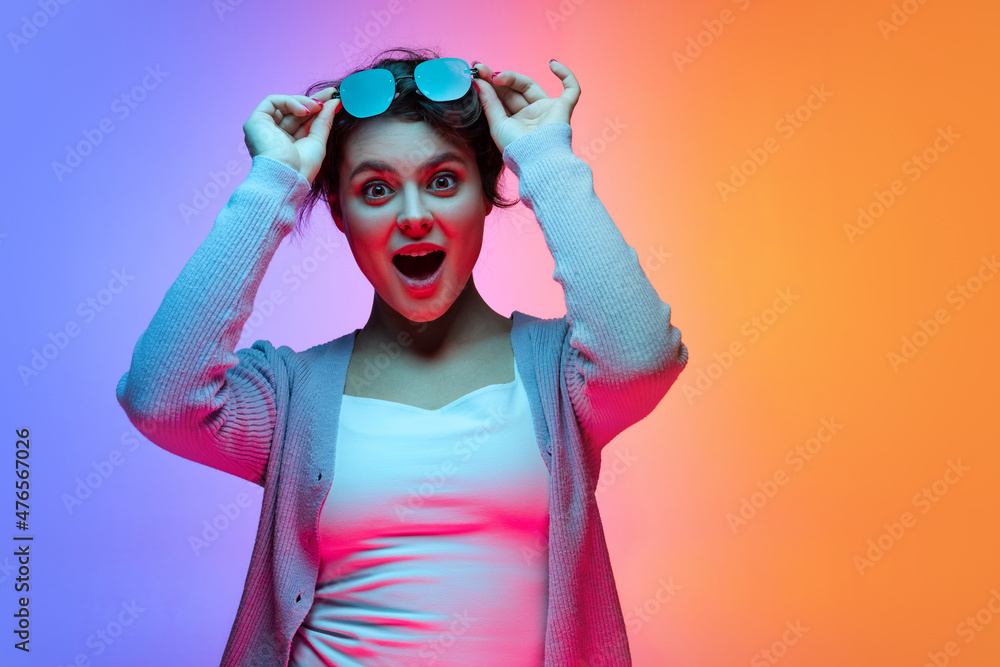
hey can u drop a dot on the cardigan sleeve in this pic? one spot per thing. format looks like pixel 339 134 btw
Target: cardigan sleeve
pixel 622 352
pixel 186 389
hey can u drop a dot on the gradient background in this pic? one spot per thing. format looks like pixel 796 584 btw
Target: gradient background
pixel 661 133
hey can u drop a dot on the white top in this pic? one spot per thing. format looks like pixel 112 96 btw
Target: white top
pixel 433 537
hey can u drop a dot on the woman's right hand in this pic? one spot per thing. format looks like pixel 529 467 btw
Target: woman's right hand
pixel 292 129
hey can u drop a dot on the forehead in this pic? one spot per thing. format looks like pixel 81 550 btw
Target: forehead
pixel 405 145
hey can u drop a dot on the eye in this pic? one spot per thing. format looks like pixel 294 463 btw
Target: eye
pixel 444 176
pixel 374 184
pixel 381 187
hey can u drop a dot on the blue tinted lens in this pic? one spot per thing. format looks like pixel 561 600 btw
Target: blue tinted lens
pixel 367 93
pixel 443 79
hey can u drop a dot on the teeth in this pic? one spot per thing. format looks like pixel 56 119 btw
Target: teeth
pixel 417 253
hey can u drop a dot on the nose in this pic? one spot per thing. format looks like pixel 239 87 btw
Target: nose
pixel 415 216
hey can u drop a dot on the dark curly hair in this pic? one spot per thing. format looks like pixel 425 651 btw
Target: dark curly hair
pixel 460 121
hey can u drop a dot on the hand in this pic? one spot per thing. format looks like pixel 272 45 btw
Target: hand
pixel 292 129
pixel 517 94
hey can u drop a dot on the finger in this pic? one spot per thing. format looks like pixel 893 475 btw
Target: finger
pixel 287 111
pixel 304 109
pixel 324 96
pixel 290 123
pixel 492 106
pixel 279 106
pixel 521 84
pixel 513 100
pixel 518 87
pixel 319 126
pixel 571 87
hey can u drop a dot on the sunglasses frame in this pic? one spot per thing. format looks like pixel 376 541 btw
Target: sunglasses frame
pixel 395 82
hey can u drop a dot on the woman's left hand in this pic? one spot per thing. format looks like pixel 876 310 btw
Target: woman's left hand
pixel 515 105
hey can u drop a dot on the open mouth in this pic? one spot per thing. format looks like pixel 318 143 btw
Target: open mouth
pixel 419 268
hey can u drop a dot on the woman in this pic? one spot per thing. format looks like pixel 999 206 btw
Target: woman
pixel 447 538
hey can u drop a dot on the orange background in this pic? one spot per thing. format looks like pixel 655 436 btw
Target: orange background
pixel 827 356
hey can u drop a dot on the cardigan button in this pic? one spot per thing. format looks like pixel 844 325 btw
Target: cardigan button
pixel 320 477
pixel 298 597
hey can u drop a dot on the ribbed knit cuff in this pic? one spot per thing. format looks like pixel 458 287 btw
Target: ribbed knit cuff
pixel 552 140
pixel 270 182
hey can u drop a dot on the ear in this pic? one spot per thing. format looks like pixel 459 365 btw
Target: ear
pixel 338 216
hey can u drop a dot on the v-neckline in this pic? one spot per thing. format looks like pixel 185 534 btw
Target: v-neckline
pixel 460 399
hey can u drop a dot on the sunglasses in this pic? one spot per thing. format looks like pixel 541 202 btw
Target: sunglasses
pixel 371 91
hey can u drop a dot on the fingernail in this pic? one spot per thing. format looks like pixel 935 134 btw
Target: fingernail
pixel 476 62
pixel 552 60
pixel 495 75
pixel 476 84
pixel 316 101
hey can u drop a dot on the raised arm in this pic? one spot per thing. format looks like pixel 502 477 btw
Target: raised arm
pixel 623 353
pixel 187 390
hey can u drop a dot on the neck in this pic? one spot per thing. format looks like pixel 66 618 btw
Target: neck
pixel 468 319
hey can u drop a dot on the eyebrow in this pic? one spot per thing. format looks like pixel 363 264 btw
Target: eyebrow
pixel 378 165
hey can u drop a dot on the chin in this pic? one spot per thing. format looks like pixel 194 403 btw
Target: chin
pixel 425 313
pixel 431 307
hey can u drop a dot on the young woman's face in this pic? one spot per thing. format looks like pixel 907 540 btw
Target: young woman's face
pixel 402 184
